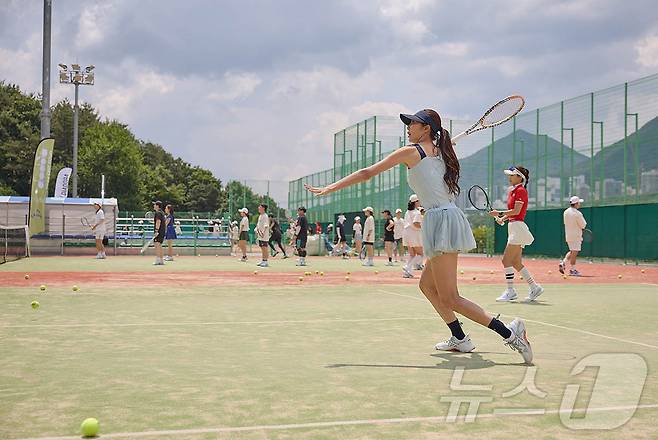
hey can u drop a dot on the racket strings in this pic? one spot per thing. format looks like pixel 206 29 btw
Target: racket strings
pixel 478 198
pixel 503 111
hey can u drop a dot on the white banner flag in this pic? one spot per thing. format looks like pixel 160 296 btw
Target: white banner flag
pixel 62 184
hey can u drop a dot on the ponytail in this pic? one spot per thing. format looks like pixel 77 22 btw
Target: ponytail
pixel 451 176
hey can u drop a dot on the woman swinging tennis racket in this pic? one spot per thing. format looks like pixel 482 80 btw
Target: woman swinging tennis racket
pixel 434 175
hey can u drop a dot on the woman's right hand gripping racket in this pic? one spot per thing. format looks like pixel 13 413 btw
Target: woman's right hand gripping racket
pixel 480 201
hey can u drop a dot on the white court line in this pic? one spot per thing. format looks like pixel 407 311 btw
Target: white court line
pixel 585 332
pixel 435 419
pixel 210 323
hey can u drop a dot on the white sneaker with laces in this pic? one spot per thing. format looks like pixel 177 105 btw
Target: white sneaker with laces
pixel 534 292
pixel 519 341
pixel 508 295
pixel 453 344
pixel 575 273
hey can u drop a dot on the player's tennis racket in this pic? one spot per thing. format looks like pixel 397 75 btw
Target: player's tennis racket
pixel 146 245
pixel 499 113
pixel 149 215
pixel 588 236
pixel 85 222
pixel 479 198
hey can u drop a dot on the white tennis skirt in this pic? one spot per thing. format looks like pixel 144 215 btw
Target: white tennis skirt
pixel 412 237
pixel 519 234
pixel 446 230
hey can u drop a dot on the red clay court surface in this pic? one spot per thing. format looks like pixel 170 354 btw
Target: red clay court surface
pixel 476 270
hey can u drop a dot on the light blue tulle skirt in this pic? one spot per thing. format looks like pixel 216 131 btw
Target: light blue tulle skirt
pixel 446 230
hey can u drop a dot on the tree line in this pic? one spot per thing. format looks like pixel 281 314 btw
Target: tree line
pixel 136 172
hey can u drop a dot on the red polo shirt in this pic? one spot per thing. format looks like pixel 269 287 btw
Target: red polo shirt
pixel 518 193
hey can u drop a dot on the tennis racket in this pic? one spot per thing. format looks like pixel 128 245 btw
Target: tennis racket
pixel 146 245
pixel 588 236
pixel 480 200
pixel 85 222
pixel 499 113
pixel 149 215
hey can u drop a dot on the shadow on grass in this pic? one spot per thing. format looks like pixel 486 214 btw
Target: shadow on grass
pixel 469 361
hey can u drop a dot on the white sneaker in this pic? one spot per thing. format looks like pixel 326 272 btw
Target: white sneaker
pixel 534 292
pixel 453 344
pixel 390 263
pixel 508 295
pixel 519 341
pixel 263 264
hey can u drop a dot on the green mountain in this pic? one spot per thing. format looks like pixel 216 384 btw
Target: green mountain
pixel 641 149
pixel 507 152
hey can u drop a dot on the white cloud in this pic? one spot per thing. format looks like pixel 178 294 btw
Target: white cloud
pixel 95 21
pixel 647 51
pixel 236 86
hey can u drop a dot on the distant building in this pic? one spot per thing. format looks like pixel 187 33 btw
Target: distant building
pixel 649 181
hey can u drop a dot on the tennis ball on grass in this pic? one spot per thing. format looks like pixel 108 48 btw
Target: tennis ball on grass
pixel 76 288
pixel 27 277
pixel 42 287
pixel 89 427
pixel 35 305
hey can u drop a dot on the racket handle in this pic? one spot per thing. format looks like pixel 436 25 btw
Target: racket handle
pixel 459 136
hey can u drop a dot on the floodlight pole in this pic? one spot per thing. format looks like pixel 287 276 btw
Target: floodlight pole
pixel 45 73
pixel 75 142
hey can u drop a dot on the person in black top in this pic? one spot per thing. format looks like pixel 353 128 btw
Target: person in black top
pixel 341 240
pixel 159 230
pixel 389 235
pixel 301 233
pixel 276 237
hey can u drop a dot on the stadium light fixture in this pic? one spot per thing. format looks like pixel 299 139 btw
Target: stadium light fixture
pixel 77 77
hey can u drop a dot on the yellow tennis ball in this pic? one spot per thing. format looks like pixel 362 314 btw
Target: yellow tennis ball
pixel 42 287
pixel 461 272
pixel 89 427
pixel 564 276
pixel 376 272
pixel 301 278
pixel 75 288
pixel 642 271
pixel 255 272
pixel 550 272
pixel 317 272
pixel 349 273
pixel 27 277
pixel 619 276
pixel 321 274
pixel 347 278
pixel 35 305
pixel 521 277
pixel 491 272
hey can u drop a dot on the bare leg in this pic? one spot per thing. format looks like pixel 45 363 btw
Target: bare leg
pixel 443 270
pixel 572 257
pixel 512 257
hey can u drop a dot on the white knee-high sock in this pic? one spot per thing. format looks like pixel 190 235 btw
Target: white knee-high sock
pixel 509 277
pixel 525 273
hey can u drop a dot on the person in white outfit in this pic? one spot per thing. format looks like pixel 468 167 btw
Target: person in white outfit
pixel 244 232
pixel 434 176
pixel 99 231
pixel 358 235
pixel 263 234
pixel 398 230
pixel 412 237
pixel 369 235
pixel 574 223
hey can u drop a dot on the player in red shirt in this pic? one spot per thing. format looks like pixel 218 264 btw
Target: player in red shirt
pixel 518 234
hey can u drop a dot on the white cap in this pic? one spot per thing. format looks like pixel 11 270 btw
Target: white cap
pixel 245 210
pixel 575 199
pixel 398 210
pixel 413 198
pixel 357 218
pixel 368 208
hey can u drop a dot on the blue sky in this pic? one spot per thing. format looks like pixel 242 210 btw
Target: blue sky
pixel 256 89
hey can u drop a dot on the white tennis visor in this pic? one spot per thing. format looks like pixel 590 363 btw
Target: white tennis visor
pixel 512 171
